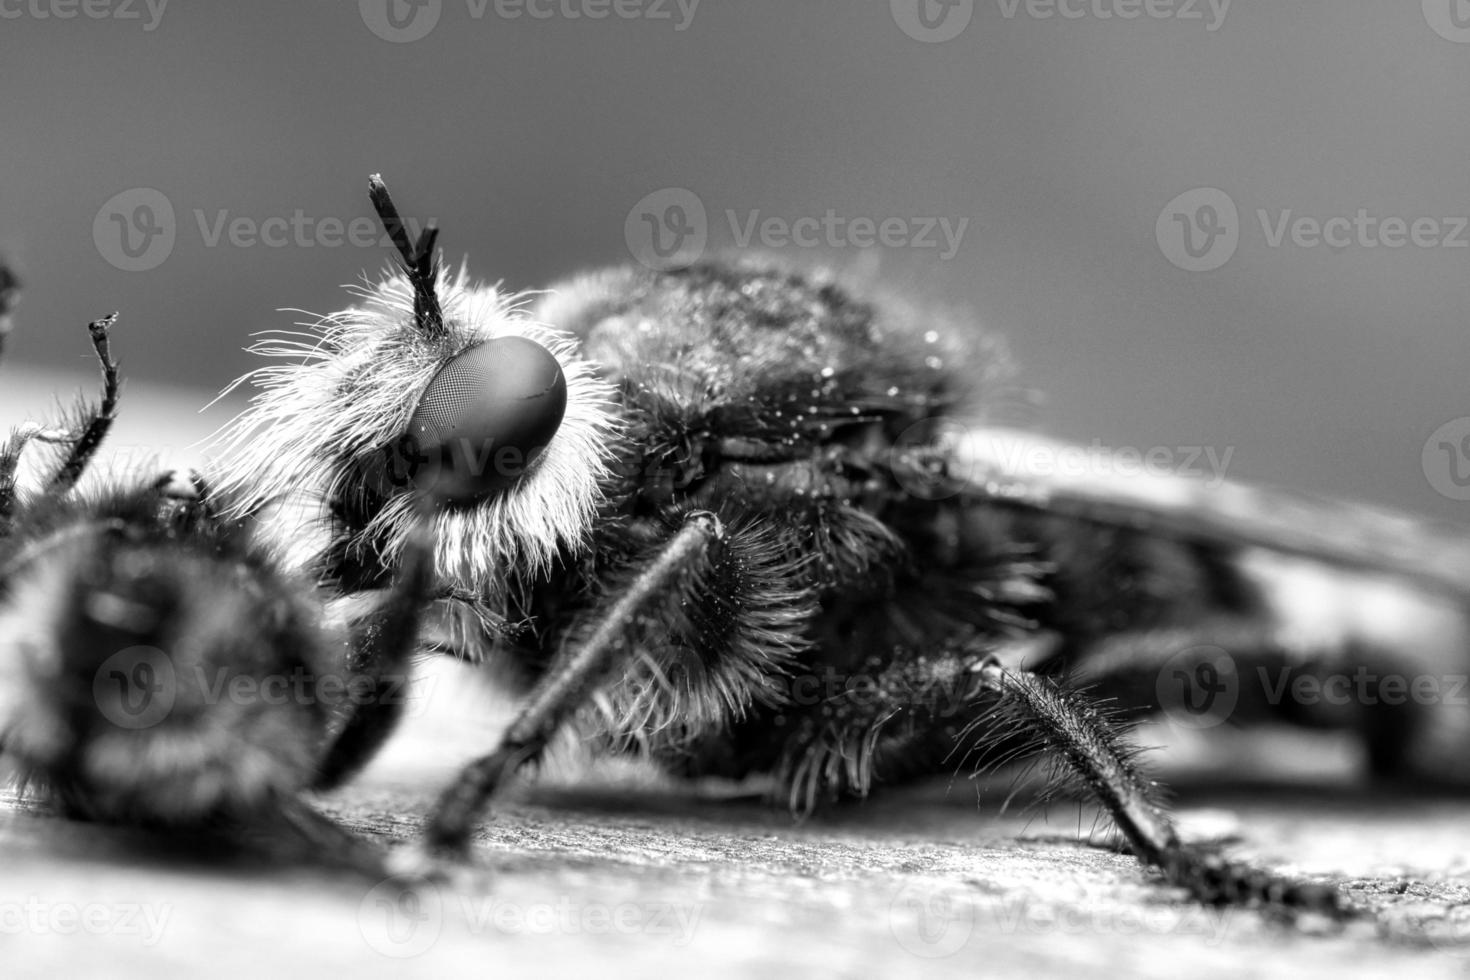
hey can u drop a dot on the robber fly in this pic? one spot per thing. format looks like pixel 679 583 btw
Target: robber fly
pixel 141 634
pixel 722 516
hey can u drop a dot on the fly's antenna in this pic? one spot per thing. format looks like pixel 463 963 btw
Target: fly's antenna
pixel 418 259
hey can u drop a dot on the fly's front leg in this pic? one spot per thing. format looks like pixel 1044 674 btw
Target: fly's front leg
pixel 571 681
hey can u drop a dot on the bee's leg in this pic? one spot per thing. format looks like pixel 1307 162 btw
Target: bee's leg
pixel 322 841
pixel 10 453
pixel 569 683
pixel 96 420
pixel 82 444
pixel 381 643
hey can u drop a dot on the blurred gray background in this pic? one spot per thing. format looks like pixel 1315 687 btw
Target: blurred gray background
pixel 1061 139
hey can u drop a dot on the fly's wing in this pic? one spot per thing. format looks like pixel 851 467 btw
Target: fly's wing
pixel 1015 468
pixel 1393 599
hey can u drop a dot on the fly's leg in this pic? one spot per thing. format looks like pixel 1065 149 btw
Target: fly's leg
pixel 570 682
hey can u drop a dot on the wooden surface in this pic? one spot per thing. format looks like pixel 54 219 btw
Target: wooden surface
pixel 604 872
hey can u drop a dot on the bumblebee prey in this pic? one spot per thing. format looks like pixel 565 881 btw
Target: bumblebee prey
pixel 148 648
pixel 717 515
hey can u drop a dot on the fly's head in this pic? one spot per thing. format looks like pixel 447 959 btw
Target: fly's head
pixel 432 384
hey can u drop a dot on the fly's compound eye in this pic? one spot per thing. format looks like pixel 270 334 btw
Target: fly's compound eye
pixel 482 421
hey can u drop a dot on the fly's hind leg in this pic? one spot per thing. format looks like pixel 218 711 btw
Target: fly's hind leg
pixel 927 714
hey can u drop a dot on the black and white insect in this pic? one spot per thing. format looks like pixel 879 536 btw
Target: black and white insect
pixel 751 520
pixel 140 635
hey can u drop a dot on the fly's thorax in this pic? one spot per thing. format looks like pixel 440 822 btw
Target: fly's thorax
pixel 748 378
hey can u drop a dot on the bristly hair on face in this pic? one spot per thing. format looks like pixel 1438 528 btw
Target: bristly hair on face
pixel 316 425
